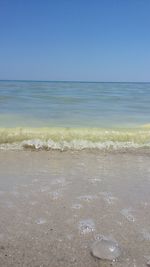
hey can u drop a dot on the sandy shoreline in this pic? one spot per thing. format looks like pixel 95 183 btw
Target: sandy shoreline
pixel 54 205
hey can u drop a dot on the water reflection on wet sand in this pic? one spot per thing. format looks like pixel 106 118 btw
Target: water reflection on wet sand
pixel 54 206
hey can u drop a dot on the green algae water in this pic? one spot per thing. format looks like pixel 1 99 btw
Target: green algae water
pixel 74 115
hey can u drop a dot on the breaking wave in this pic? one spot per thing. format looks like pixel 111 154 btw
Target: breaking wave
pixel 74 138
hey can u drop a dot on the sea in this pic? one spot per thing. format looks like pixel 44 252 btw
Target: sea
pixel 74 173
pixel 74 115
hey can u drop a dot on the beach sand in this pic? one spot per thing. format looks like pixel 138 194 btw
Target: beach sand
pixel 54 205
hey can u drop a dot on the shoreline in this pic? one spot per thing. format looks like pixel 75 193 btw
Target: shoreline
pixel 54 205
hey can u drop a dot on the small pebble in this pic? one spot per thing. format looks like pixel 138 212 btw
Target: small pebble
pixel 40 221
pixel 105 250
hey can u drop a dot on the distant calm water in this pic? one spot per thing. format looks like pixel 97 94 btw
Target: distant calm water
pixel 68 104
pixel 30 104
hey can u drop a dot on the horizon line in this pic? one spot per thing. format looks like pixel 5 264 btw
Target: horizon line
pixel 69 81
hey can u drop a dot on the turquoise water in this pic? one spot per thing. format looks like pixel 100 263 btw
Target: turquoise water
pixel 76 115
pixel 74 104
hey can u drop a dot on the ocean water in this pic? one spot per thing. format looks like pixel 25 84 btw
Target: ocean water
pixel 77 115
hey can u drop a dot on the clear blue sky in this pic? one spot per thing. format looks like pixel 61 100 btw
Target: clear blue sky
pixel 93 40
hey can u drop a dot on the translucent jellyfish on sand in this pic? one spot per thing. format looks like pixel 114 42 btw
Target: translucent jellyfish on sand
pixel 106 249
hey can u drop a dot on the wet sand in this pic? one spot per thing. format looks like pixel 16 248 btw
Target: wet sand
pixel 54 205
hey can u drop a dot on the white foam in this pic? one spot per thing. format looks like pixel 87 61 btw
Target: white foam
pixel 95 180
pixel 60 181
pixel 146 234
pixel 72 145
pixel 108 197
pixel 87 198
pixel 40 221
pixel 44 189
pixel 127 213
pixel 55 195
pixel 86 226
pixel 80 144
pixel 77 206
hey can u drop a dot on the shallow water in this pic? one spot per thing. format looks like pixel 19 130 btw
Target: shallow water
pixel 73 104
pixel 74 115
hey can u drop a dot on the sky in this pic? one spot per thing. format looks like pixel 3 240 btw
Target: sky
pixel 75 40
